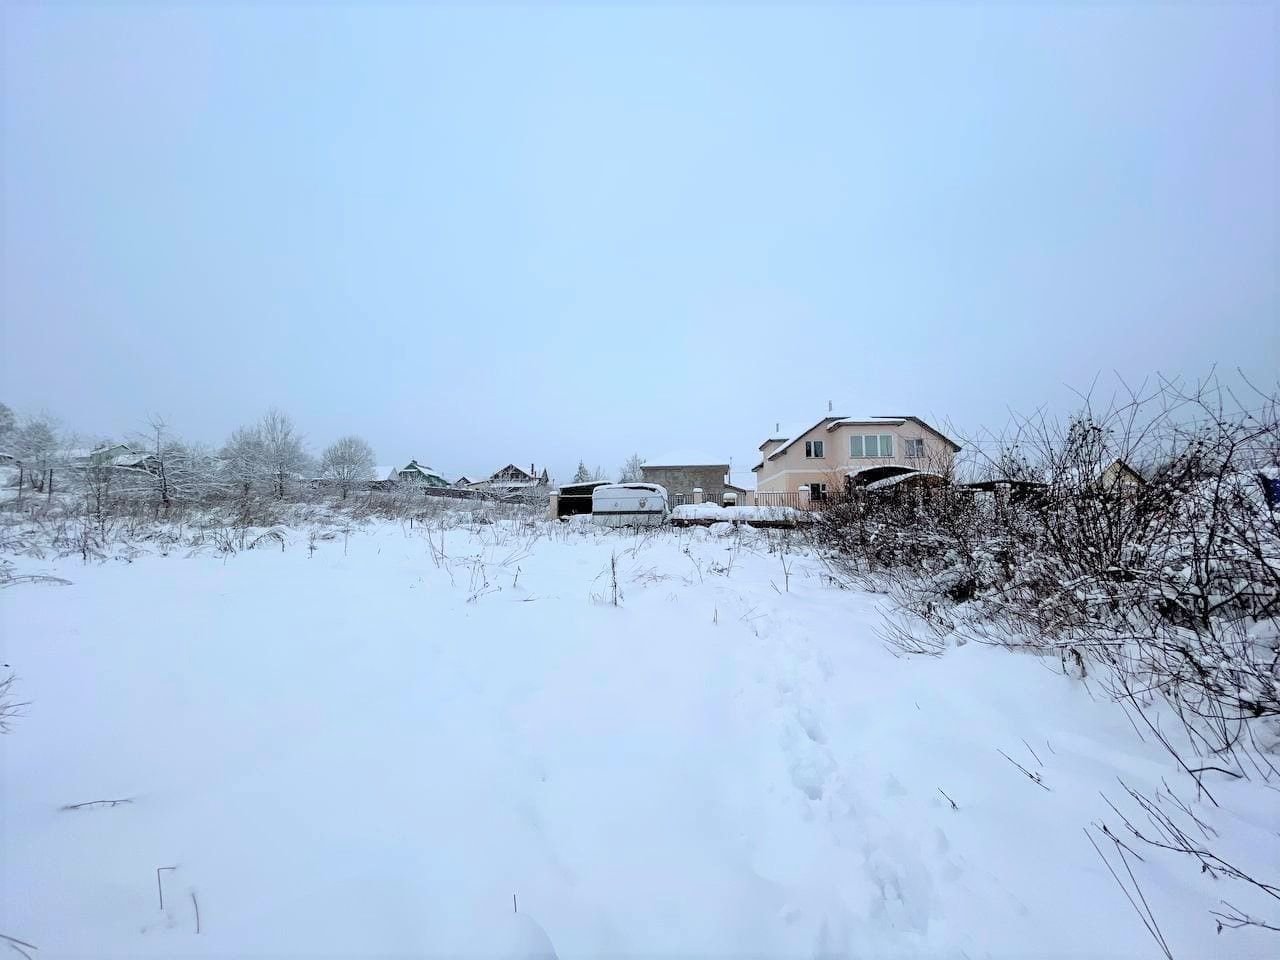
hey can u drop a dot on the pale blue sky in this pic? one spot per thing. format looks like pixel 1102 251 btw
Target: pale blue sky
pixel 488 234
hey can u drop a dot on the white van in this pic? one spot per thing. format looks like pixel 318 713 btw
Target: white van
pixel 630 505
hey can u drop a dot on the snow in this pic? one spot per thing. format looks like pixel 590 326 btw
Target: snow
pixel 869 421
pixel 698 511
pixel 797 435
pixel 687 458
pixel 414 467
pixel 368 749
pixel 741 514
pixel 893 481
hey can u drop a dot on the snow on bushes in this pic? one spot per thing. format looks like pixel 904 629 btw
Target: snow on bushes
pixel 1164 584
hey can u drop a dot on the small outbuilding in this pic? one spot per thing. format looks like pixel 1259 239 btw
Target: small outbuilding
pixel 682 473
pixel 574 499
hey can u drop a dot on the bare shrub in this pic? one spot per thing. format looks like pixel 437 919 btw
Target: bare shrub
pixel 11 707
pixel 1136 542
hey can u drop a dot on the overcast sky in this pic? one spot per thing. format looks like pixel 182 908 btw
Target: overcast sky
pixel 526 234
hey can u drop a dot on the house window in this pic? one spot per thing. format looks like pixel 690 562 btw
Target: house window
pixel 813 449
pixel 915 448
pixel 871 445
pixel 817 491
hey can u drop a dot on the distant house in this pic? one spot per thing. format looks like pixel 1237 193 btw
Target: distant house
pixel 837 454
pixel 120 456
pixel 106 453
pixel 464 482
pixel 1118 475
pixel 416 473
pixel 683 473
pixel 1091 478
pixel 511 480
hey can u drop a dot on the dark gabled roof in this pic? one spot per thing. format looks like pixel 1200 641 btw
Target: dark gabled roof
pixel 511 471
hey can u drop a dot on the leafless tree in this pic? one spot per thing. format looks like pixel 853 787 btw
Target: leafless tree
pixel 7 425
pixel 347 462
pixel 283 455
pixel 631 470
pixel 244 459
pixel 36 445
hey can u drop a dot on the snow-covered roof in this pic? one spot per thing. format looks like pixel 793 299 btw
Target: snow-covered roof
pixel 832 421
pixel 902 478
pixel 798 434
pixel 512 472
pixel 868 421
pixel 413 466
pixel 581 487
pixel 130 459
pixel 878 468
pixel 770 440
pixel 955 446
pixel 608 488
pixel 687 458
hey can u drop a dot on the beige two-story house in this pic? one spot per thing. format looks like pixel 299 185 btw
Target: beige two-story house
pixel 838 453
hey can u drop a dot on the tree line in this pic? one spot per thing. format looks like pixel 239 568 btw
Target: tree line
pixel 266 456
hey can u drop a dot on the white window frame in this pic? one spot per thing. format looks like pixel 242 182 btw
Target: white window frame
pixel 877 442
pixel 817 491
pixel 914 448
pixel 815 450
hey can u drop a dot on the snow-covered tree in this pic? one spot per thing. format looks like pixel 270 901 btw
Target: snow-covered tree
pixel 171 470
pixel 8 424
pixel 283 453
pixel 244 459
pixel 270 452
pixel 582 474
pixel 347 462
pixel 631 471
pixel 36 445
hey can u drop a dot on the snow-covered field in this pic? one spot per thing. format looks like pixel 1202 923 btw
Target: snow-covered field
pixel 368 749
